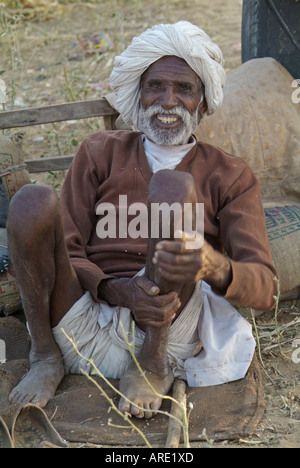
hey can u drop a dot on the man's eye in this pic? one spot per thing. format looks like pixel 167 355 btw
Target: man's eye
pixel 155 85
pixel 185 87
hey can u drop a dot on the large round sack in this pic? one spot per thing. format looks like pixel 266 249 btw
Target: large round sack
pixel 259 122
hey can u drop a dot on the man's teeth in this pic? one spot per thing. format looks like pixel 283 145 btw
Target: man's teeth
pixel 167 119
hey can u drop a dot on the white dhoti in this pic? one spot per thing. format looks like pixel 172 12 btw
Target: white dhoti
pixel 227 341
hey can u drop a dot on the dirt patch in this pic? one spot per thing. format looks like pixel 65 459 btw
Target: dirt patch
pixel 42 63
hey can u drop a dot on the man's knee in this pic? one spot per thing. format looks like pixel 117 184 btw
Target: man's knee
pixel 31 210
pixel 172 186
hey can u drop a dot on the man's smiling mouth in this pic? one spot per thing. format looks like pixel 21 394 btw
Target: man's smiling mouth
pixel 168 119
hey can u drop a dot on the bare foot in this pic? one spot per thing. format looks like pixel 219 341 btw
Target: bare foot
pixel 134 387
pixel 39 385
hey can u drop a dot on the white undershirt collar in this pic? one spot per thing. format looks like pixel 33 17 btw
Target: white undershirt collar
pixel 165 157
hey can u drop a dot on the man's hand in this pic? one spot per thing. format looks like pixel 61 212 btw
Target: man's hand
pixel 150 308
pixel 177 262
pixel 142 297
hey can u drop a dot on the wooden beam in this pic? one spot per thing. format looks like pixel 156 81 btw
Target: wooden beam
pixel 55 163
pixel 56 113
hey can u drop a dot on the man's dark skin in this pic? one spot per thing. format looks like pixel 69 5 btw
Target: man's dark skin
pixel 49 286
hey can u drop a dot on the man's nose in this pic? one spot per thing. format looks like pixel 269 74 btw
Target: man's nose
pixel 169 98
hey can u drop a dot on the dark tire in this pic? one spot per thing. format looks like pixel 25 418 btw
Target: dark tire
pixel 271 28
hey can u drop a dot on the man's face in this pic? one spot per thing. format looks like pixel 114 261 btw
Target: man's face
pixel 172 101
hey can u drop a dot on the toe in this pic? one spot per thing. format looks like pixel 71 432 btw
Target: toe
pixel 148 412
pixel 39 401
pixel 137 412
pixel 26 398
pixel 124 406
pixel 13 396
pixel 156 404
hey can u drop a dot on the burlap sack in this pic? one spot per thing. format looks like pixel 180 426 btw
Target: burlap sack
pixel 13 172
pixel 283 226
pixel 259 122
pixel 13 175
pixel 10 300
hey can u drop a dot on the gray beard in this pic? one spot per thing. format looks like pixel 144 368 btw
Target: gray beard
pixel 167 136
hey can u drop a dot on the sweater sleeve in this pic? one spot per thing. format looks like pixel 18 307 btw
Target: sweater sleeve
pixel 78 199
pixel 244 237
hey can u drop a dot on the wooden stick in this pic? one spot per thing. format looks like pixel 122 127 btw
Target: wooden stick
pixel 174 429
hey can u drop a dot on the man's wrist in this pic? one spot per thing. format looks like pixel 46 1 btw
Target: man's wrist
pixel 221 277
pixel 114 291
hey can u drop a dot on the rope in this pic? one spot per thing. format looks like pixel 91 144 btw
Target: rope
pixel 10 169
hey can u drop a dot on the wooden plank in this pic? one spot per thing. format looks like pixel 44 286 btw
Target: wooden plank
pixel 55 163
pixel 175 427
pixel 56 113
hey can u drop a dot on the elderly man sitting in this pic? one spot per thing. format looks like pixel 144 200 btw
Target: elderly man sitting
pixel 80 268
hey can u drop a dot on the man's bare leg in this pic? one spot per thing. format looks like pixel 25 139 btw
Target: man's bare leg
pixel 169 187
pixel 47 282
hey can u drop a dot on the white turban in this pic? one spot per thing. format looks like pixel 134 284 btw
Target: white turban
pixel 181 39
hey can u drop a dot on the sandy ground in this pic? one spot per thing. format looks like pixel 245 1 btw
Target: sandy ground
pixel 42 62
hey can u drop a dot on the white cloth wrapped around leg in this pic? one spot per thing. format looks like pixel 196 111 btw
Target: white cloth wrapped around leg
pixel 228 344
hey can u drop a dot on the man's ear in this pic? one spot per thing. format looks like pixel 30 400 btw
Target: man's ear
pixel 202 109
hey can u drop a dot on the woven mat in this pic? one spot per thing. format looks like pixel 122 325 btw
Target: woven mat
pixel 80 413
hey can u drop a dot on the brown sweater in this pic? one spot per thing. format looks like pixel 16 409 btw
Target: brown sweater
pixel 109 164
